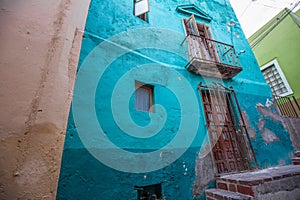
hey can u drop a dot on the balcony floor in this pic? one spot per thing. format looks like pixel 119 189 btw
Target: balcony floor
pixel 212 69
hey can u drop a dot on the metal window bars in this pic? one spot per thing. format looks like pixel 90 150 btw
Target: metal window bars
pixel 231 146
pixel 288 106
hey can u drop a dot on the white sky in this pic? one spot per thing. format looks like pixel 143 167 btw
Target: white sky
pixel 253 14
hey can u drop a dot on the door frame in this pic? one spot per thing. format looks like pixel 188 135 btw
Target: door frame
pixel 245 159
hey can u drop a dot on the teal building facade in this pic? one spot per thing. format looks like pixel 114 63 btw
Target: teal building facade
pixel 168 94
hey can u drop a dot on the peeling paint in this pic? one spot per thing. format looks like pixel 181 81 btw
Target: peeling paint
pixel 251 131
pixel 293 126
pixel 268 112
pixel 204 173
pixel 267 135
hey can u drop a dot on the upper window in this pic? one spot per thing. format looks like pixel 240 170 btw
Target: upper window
pixel 143 97
pixel 141 8
pixel 276 79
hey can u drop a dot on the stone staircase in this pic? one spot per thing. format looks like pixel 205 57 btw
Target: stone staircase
pixel 296 159
pixel 293 127
pixel 214 194
pixel 274 183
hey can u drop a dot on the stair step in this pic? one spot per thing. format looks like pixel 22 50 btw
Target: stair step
pixel 219 194
pixel 261 176
pixel 296 161
pixel 297 153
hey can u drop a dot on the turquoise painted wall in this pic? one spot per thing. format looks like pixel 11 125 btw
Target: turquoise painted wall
pixel 103 107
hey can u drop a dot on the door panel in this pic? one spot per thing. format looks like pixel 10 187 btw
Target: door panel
pixel 198 38
pixel 194 42
pixel 229 148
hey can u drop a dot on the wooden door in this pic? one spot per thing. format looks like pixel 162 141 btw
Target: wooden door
pixel 192 33
pixel 199 38
pixel 228 144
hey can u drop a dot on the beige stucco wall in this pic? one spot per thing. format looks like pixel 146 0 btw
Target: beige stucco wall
pixel 40 42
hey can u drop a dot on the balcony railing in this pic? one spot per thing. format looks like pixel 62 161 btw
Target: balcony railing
pixel 288 106
pixel 211 58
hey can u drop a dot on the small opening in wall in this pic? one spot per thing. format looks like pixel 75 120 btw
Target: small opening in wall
pixel 141 9
pixel 143 97
pixel 149 192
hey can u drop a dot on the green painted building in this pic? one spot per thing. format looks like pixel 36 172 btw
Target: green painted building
pixel 277 48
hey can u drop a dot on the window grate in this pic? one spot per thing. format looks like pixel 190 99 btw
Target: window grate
pixel 231 147
pixel 276 79
pixel 273 78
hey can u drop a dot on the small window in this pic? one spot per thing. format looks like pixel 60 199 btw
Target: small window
pixel 276 79
pixel 141 8
pixel 149 192
pixel 143 97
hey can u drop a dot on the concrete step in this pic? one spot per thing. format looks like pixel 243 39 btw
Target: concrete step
pixel 297 154
pixel 219 194
pixel 277 182
pixel 295 122
pixel 296 161
pixel 293 127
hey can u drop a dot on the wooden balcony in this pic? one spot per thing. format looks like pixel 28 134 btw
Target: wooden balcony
pixel 211 58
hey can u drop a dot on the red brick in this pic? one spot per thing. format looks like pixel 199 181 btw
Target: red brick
pixel 222 185
pixel 286 175
pixel 220 198
pixel 230 180
pixel 267 179
pixel 209 194
pixel 297 173
pixel 277 177
pixel 245 190
pixel 296 163
pixel 232 187
pixel 251 182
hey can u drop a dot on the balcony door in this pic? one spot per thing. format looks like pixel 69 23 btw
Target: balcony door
pixel 200 43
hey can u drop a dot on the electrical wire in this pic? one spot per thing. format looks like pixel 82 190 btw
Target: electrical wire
pixel 244 11
pixel 271 26
pixel 269 6
pixel 268 25
pixel 273 4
